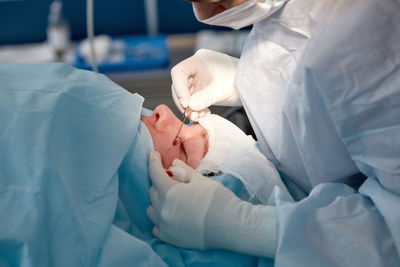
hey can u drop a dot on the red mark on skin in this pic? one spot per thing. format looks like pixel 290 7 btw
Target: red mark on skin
pixel 175 142
pixel 170 174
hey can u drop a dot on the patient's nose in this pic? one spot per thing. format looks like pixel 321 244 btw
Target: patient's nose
pixel 163 116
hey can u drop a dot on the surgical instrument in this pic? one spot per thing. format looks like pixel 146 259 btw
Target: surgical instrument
pixel 186 115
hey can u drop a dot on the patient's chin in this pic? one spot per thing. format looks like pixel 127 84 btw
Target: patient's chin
pixel 165 162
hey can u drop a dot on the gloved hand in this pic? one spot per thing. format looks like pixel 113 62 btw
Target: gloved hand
pixel 204 79
pixel 203 214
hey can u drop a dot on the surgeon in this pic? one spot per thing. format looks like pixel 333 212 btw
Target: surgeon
pixel 320 82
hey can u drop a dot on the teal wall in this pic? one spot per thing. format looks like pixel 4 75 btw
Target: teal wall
pixel 26 20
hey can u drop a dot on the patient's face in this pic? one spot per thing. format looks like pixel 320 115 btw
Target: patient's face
pixel 164 125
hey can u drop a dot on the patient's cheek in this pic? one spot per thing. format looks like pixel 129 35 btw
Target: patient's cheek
pixel 168 152
pixel 191 150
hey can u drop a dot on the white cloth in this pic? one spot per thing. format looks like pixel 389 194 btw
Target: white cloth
pixel 232 151
pixel 244 14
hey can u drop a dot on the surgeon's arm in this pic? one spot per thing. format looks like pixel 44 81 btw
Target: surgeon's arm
pixel 203 214
pixel 338 226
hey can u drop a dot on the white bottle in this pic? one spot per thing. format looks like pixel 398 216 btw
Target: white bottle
pixel 58 34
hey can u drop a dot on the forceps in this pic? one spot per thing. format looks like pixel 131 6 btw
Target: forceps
pixel 186 115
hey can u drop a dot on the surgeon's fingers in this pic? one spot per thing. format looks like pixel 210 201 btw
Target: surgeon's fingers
pixel 152 216
pixel 200 114
pixel 176 100
pixel 202 99
pixel 183 171
pixel 156 232
pixel 158 176
pixel 179 163
pixel 180 174
pixel 194 116
pixel 204 112
pixel 153 196
pixel 181 75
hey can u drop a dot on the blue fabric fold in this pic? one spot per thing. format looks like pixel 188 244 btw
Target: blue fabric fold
pixel 74 177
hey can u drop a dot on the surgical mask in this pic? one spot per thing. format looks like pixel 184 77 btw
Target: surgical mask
pixel 244 14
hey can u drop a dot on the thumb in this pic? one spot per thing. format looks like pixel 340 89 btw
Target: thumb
pixel 178 102
pixel 180 174
pixel 181 76
pixel 191 174
pixel 195 115
pixel 183 172
pixel 203 98
pixel 158 176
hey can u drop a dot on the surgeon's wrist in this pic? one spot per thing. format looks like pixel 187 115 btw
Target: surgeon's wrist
pixel 233 100
pixel 244 228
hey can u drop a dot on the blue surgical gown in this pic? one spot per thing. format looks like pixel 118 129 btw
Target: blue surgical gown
pixel 74 177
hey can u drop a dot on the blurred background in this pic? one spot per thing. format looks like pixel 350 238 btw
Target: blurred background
pixel 136 41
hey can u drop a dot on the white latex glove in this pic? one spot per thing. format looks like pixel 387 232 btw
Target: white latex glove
pixel 203 214
pixel 204 79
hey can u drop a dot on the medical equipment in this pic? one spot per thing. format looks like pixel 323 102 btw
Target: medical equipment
pixel 152 29
pixel 102 45
pixel 58 33
pixel 124 53
pixel 151 11
pixel 90 34
pixel 186 115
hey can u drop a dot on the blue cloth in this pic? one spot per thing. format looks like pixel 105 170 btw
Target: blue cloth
pixel 134 185
pixel 74 175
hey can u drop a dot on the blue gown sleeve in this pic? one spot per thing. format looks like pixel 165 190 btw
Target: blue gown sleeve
pixel 63 135
pixel 334 226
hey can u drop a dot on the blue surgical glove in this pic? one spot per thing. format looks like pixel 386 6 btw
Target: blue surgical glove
pixel 203 214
